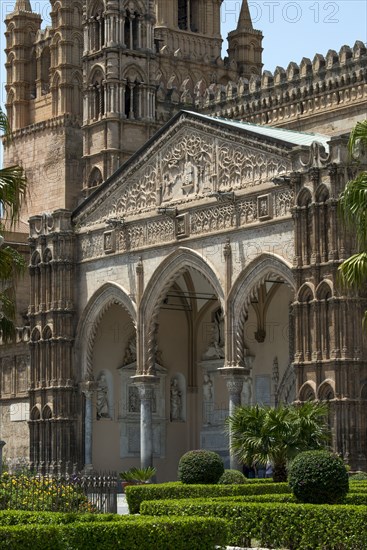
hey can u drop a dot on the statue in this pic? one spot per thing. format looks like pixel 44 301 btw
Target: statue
pixel 102 398
pixel 176 401
pixel 216 347
pixel 207 398
pixel 130 352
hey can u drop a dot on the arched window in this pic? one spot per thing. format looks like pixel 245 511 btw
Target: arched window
pixel 133 99
pixel 77 95
pixel 95 177
pixel 10 109
pixel 32 75
pixel 10 74
pixel 96 27
pixel 132 30
pixel 323 223
pixel 47 435
pixel 56 106
pixel 188 15
pixel 98 99
pixel 45 70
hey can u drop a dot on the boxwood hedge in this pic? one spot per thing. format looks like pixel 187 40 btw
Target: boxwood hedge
pixel 136 494
pixel 287 525
pixel 130 533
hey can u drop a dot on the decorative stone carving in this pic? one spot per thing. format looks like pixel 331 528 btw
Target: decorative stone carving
pixel 130 351
pixel 216 346
pixel 175 401
pixel 264 207
pixel 103 398
pixel 208 398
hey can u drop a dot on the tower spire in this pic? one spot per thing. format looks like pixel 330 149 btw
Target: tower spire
pixel 23 5
pixel 244 20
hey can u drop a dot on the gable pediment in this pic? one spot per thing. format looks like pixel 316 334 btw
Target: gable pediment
pixel 188 162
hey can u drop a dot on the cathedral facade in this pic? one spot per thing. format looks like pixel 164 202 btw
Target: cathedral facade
pixel 183 233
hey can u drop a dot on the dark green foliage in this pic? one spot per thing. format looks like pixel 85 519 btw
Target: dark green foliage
pixel 232 477
pixel 125 533
pixel 279 525
pixel 135 495
pixel 318 477
pixel 200 466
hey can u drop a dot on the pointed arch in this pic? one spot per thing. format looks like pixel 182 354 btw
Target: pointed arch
pixel 245 289
pixel 109 294
pixel 166 273
pixel 35 413
pixel 306 292
pixel 304 197
pixel 326 390
pixel 95 177
pixel 307 391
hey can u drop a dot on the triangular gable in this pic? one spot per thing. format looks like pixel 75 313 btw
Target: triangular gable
pixel 189 159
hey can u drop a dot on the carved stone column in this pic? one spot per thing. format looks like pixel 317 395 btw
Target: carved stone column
pixel 145 386
pixel 88 391
pixel 234 377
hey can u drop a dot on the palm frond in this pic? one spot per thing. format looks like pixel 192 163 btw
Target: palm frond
pixel 13 186
pixel 353 207
pixel 353 271
pixel 358 136
pixel 12 264
pixel 7 316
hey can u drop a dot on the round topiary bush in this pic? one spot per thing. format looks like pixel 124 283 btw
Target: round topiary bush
pixel 200 467
pixel 232 477
pixel 318 477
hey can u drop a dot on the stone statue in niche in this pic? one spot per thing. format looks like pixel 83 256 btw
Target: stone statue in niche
pixel 216 347
pixel 130 351
pixel 102 398
pixel 207 398
pixel 176 401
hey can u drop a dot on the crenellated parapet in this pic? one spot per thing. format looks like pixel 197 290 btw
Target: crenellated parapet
pixel 327 94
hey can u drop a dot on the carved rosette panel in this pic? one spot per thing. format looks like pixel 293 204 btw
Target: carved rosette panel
pixel 212 219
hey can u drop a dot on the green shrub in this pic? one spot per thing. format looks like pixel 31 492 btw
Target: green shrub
pixel 359 476
pixel 232 477
pixel 278 525
pixel 200 466
pixel 129 533
pixel 318 477
pixel 135 495
pixel 29 492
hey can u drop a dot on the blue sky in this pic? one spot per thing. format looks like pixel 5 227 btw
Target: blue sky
pixel 292 29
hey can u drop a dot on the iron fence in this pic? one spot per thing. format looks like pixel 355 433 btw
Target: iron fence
pixel 96 493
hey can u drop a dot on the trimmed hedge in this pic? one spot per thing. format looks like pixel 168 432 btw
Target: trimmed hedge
pixel 293 526
pixel 136 494
pixel 232 477
pixel 22 517
pixel 355 499
pixel 136 533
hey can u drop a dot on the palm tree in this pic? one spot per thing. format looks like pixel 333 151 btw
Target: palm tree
pixel 12 192
pixel 263 434
pixel 353 210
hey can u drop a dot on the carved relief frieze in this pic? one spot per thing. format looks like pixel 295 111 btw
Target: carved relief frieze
pixel 207 220
pixel 189 164
pixel 283 202
pixel 91 245
pixel 159 231
pixel 199 221
pixel 247 211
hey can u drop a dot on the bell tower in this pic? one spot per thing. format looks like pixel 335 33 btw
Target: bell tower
pixel 44 91
pixel 142 63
